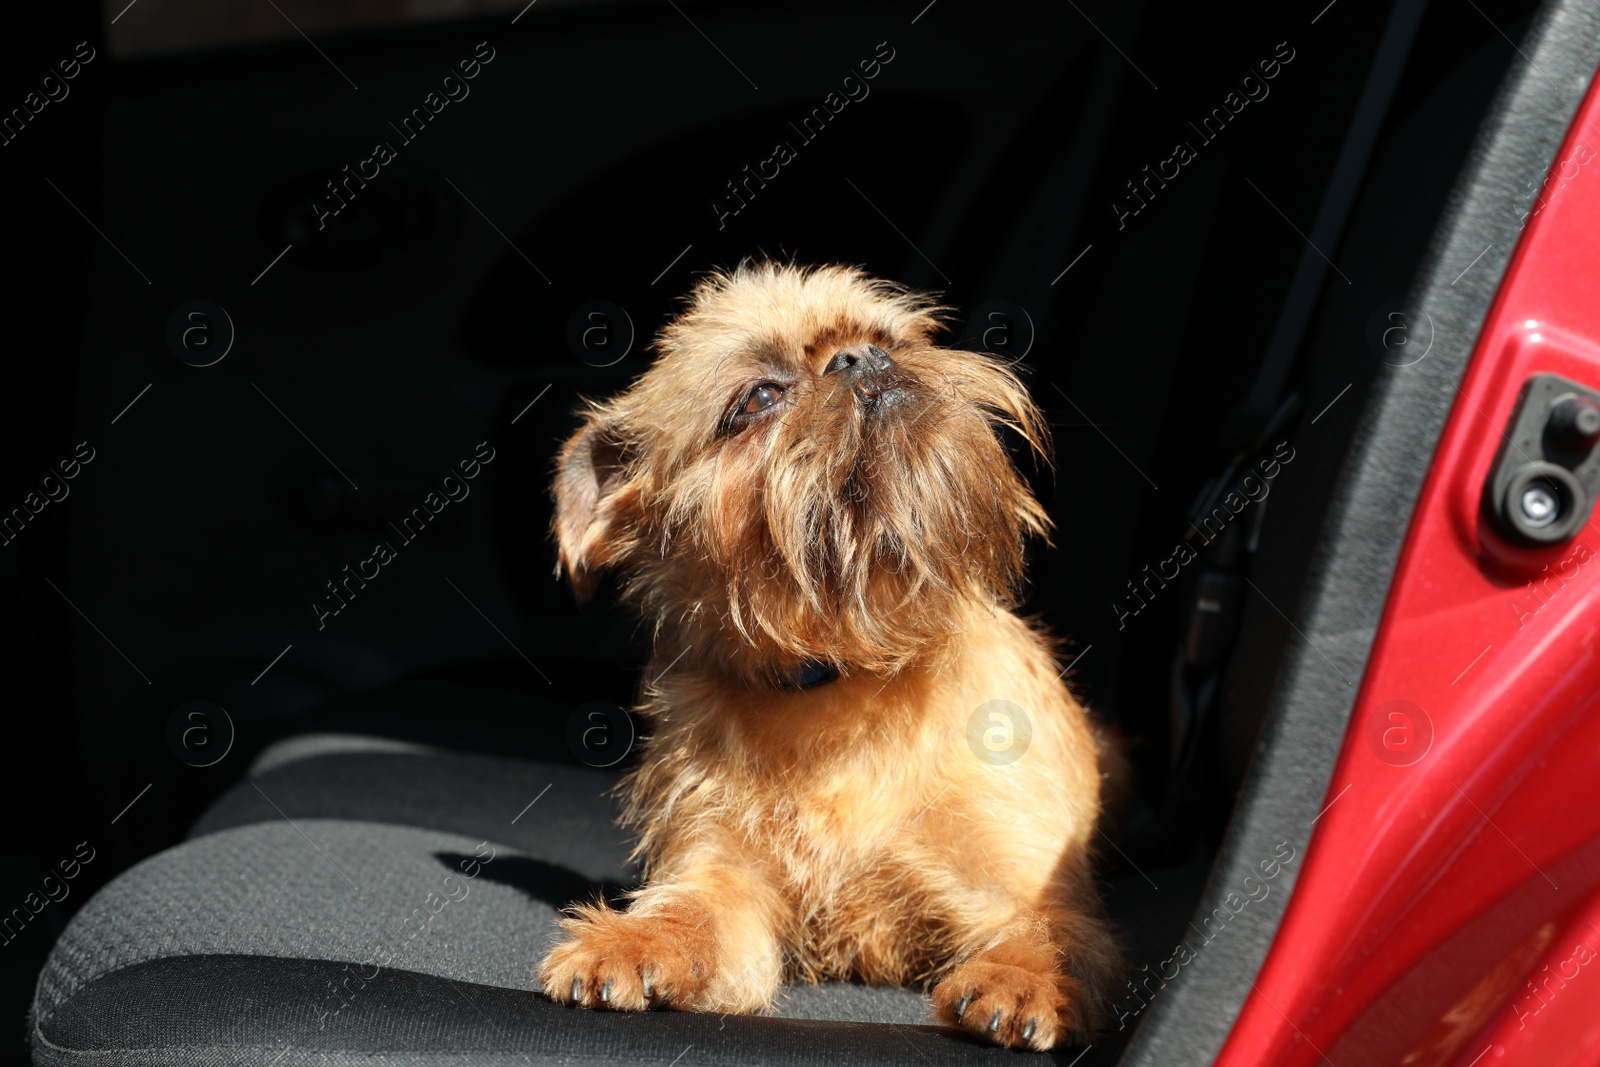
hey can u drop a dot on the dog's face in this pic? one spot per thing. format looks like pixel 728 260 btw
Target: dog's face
pixel 803 475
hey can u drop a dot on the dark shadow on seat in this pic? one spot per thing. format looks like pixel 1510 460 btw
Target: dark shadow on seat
pixel 548 883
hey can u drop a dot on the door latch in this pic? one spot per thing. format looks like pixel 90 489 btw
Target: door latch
pixel 1547 474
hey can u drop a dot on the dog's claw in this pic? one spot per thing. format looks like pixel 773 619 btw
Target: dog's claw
pixel 577 987
pixel 649 987
pixel 1027 1031
pixel 605 993
pixel 994 1022
pixel 961 1009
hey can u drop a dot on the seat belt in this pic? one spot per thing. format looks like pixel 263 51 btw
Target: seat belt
pixel 1217 603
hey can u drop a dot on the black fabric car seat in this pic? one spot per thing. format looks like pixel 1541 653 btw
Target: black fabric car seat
pixel 358 899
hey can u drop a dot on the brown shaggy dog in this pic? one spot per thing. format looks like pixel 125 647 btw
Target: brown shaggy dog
pixel 861 762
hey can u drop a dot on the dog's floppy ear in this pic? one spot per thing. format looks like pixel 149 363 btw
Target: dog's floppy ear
pixel 596 505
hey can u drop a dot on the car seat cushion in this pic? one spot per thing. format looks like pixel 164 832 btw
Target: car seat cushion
pixel 369 903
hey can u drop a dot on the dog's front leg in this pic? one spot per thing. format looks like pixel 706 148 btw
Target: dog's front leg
pixel 702 938
pixel 1041 979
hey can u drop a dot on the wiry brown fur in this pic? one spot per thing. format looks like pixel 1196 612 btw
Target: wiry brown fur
pixel 848 830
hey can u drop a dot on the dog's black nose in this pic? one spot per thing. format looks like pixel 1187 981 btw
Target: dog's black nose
pixel 859 361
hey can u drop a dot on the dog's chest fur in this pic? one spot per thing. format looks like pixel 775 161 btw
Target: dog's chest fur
pixel 890 842
pixel 868 880
pixel 883 834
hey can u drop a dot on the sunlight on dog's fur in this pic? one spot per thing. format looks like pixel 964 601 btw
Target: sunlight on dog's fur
pixel 811 503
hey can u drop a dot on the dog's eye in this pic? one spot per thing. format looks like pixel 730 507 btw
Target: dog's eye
pixel 756 403
pixel 761 398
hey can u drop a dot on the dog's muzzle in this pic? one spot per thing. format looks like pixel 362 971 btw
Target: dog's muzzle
pixel 870 373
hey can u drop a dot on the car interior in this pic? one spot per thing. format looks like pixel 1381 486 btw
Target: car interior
pixel 1202 271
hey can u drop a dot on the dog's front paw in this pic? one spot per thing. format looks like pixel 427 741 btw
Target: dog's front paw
pixel 628 962
pixel 1011 1005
